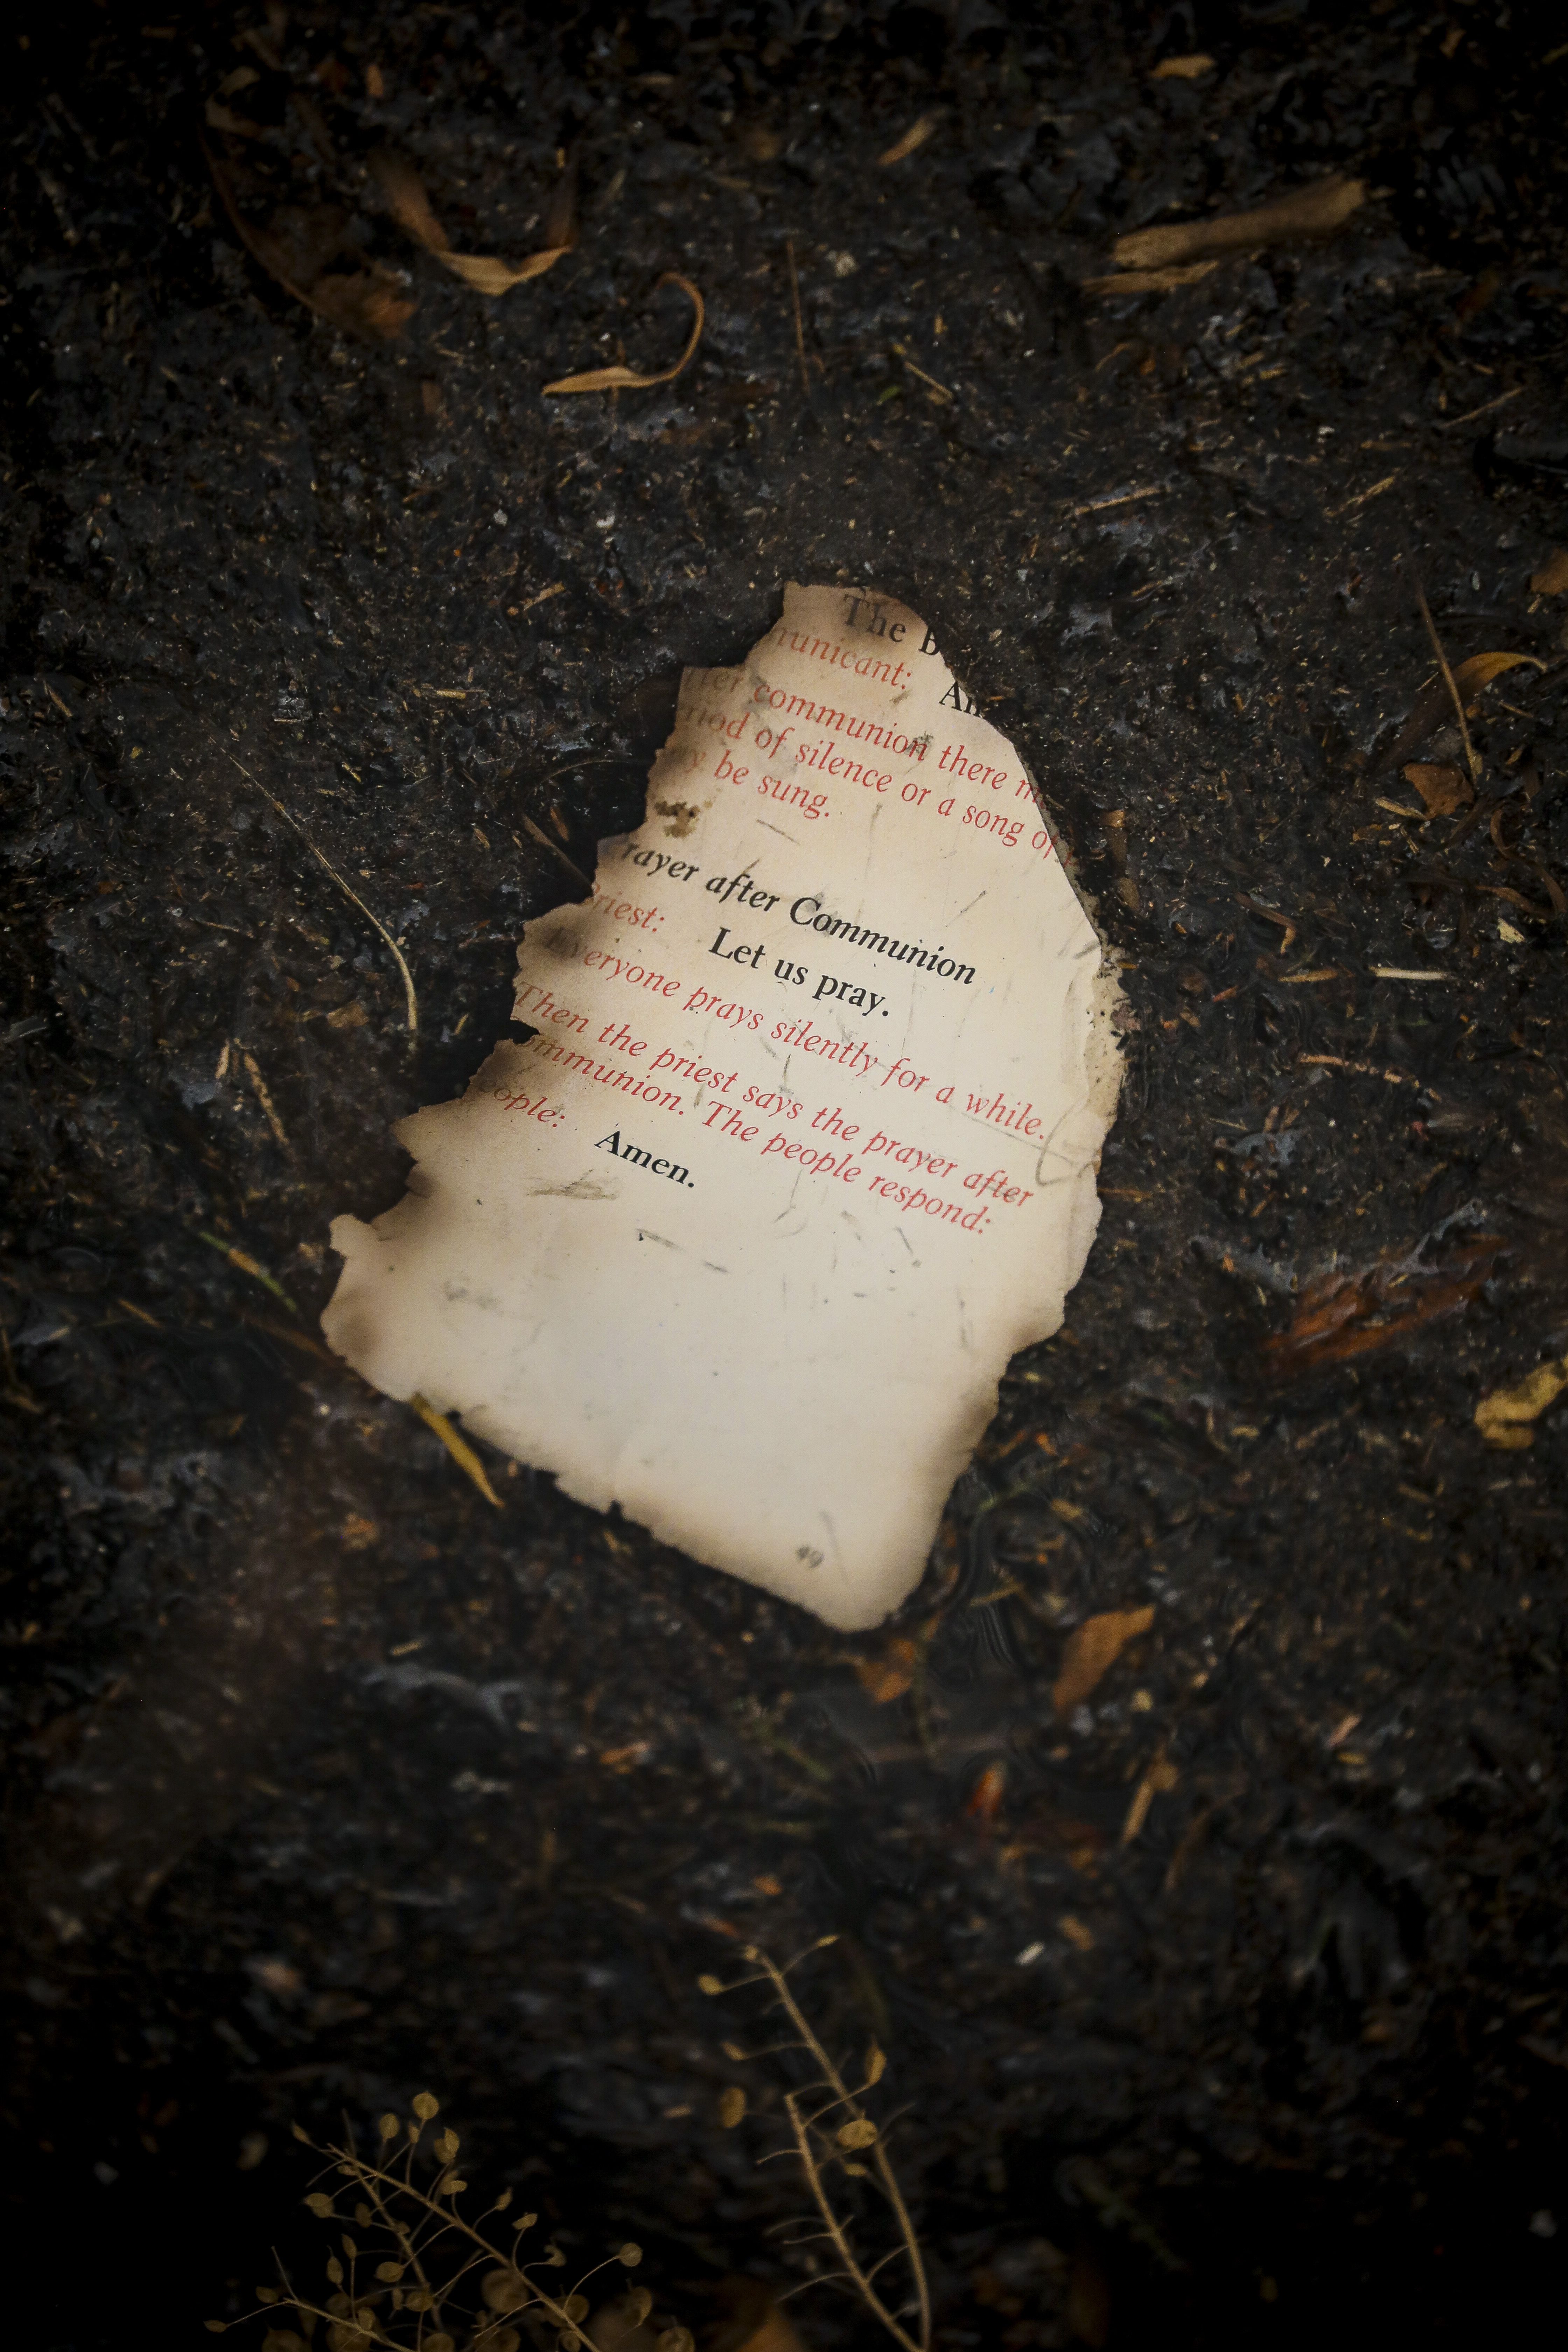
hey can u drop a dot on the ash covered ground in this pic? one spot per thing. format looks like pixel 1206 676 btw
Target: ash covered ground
pixel 1227 2001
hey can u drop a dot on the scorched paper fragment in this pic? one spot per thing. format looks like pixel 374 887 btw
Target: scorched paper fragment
pixel 803 1147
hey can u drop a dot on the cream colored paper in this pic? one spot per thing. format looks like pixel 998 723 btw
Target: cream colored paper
pixel 804 1147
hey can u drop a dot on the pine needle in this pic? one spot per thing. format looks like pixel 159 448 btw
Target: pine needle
pixel 461 1451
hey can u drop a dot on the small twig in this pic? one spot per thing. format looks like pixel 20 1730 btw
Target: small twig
pixel 1446 423
pixel 799 328
pixel 1458 698
pixel 268 1107
pixel 244 1264
pixel 537 833
pixel 14 1393
pixel 353 895
pixel 1118 498
pixel 942 391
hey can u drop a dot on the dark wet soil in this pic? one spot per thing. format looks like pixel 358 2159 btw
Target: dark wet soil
pixel 327 1782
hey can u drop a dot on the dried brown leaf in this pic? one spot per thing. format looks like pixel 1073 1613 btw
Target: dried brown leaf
pixel 294 252
pixel 1315 211
pixel 1190 69
pixel 1504 1418
pixel 625 379
pixel 410 206
pixel 1552 579
pixel 1151 281
pixel 1481 668
pixel 1091 1650
pixel 1443 789
pixel 223 118
pixel 1348 1314
pixel 1435 703
pixel 888 1677
pixel 918 131
pixel 732 2105
pixel 364 302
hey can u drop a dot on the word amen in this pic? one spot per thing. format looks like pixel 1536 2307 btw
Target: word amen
pixel 836 927
pixel 619 1151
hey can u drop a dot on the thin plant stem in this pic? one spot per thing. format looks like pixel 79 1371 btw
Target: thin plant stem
pixel 411 1002
pixel 799 328
pixel 887 2178
pixel 1449 681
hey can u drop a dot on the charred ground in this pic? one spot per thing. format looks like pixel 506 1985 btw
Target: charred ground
pixel 327 1780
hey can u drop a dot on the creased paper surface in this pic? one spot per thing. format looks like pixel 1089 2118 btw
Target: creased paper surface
pixel 804 1147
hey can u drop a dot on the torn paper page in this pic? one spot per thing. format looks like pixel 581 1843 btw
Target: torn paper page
pixel 803 1147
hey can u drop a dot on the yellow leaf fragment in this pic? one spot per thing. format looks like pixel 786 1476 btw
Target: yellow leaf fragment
pixel 1190 69
pixel 1552 579
pixel 1314 211
pixel 625 379
pixel 1504 1418
pixel 862 2133
pixel 917 134
pixel 1480 669
pixel 732 2105
pixel 463 1454
pixel 410 208
pixel 1158 1782
pixel 1092 1649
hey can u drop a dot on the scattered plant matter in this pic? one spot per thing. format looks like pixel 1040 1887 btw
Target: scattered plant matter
pixel 832 2133
pixel 425 2273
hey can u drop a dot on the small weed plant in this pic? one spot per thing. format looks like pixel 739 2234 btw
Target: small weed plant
pixel 413 2273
